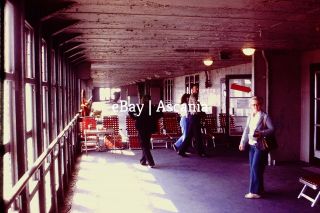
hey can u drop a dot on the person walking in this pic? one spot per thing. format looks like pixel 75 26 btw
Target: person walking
pixel 258 125
pixel 145 124
pixel 195 121
pixel 179 145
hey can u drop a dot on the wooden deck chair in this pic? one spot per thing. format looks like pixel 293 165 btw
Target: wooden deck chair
pixel 171 126
pixel 233 127
pixel 313 182
pixel 112 141
pixel 132 133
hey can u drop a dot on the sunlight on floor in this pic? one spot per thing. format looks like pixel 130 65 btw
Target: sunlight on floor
pixel 110 186
pixel 123 152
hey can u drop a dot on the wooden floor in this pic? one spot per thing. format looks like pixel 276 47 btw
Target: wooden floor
pixel 114 181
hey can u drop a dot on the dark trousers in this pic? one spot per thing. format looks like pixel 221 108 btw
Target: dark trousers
pixel 195 132
pixel 258 160
pixel 144 139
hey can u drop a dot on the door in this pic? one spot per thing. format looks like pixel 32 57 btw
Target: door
pixel 315 113
pixel 238 94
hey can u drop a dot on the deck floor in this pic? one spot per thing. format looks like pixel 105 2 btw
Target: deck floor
pixel 114 181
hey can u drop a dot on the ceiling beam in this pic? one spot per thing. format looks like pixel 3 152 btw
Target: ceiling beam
pixel 53 9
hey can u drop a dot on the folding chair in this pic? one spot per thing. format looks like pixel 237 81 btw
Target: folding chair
pixel 313 182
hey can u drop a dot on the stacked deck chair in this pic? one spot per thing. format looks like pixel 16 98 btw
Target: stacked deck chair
pixel 132 133
pixel 91 140
pixel 113 141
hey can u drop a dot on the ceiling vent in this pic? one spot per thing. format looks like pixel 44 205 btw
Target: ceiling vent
pixel 225 55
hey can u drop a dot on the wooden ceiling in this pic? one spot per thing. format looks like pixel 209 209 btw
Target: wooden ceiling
pixel 128 41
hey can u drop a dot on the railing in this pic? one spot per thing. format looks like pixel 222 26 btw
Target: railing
pixel 68 148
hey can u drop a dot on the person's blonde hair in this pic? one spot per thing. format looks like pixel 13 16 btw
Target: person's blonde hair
pixel 258 99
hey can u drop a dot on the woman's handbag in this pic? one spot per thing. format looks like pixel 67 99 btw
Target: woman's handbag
pixel 269 142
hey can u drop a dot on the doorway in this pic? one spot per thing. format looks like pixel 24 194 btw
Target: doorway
pixel 238 94
pixel 315 113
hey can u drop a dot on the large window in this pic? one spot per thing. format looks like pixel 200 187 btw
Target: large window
pixel 30 103
pixel 189 81
pixel 168 91
pixel 109 94
pixel 53 95
pixel 8 103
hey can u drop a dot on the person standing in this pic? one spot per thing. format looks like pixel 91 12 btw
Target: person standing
pixel 195 120
pixel 184 124
pixel 258 125
pixel 85 105
pixel 145 124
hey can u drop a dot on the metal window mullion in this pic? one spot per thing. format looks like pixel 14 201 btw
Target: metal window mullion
pixel 61 186
pixel 65 161
pixel 54 203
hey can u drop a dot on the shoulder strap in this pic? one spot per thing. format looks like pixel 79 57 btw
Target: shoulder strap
pixel 265 120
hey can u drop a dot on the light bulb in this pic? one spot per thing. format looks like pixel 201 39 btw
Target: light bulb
pixel 248 51
pixel 208 61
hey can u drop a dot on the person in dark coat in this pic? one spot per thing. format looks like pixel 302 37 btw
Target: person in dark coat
pixel 146 124
pixel 194 126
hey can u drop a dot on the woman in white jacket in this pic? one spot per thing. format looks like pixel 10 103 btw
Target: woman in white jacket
pixel 258 125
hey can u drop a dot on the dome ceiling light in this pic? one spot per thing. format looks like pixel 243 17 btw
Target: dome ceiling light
pixel 248 51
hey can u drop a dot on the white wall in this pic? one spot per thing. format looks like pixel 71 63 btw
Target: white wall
pixel 210 96
pixel 307 59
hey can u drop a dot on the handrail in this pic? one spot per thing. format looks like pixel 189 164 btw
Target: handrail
pixel 22 182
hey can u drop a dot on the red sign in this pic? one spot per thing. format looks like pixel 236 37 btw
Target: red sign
pixel 240 88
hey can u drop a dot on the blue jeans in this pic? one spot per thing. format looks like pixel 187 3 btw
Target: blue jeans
pixel 184 123
pixel 258 160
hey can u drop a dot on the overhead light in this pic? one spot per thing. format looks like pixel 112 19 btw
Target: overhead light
pixel 208 61
pixel 248 51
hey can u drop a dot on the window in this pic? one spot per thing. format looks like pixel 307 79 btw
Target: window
pixel 111 94
pixel 30 101
pixel 9 140
pixel 53 67
pixel 29 52
pixel 168 91
pixel 30 123
pixel 54 112
pixel 190 80
pixel 45 117
pixel 8 104
pixel 44 70
pixel 8 38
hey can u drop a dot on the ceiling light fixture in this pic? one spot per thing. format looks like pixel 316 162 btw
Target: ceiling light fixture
pixel 248 51
pixel 207 62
